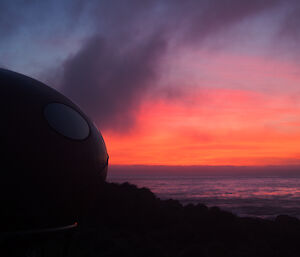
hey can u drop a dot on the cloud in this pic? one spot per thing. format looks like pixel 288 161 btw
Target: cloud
pixel 108 81
pixel 116 68
pixel 289 32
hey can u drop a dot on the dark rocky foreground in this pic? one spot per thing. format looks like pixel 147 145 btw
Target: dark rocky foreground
pixel 134 222
pixel 128 221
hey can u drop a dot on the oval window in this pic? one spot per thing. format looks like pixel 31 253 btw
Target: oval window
pixel 66 121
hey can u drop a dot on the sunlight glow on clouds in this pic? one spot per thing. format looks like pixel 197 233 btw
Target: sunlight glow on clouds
pixel 169 81
pixel 216 122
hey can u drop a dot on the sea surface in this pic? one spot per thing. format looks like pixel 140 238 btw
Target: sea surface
pixel 263 196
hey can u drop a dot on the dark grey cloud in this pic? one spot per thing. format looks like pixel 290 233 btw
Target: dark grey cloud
pixel 290 28
pixel 118 65
pixel 116 68
pixel 107 81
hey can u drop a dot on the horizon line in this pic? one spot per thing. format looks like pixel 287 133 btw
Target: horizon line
pixel 196 165
pixel 203 169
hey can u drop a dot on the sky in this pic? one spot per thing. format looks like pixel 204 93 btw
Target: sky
pixel 169 82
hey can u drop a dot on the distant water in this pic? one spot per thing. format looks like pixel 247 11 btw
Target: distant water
pixel 264 197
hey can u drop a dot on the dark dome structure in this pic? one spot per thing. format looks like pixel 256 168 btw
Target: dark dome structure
pixel 53 157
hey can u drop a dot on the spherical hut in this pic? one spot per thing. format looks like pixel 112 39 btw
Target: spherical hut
pixel 53 157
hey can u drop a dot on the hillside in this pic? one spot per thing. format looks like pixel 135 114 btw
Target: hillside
pixel 131 221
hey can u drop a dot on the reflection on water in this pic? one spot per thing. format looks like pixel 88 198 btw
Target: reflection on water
pixel 264 197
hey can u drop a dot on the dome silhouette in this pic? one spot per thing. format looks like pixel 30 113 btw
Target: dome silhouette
pixel 53 157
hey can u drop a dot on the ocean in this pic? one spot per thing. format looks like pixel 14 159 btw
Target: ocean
pixel 254 196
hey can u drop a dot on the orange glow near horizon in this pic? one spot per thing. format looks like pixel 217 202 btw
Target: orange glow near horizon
pixel 218 125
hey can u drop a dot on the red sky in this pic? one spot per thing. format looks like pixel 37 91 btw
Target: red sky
pixel 244 111
pixel 170 82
